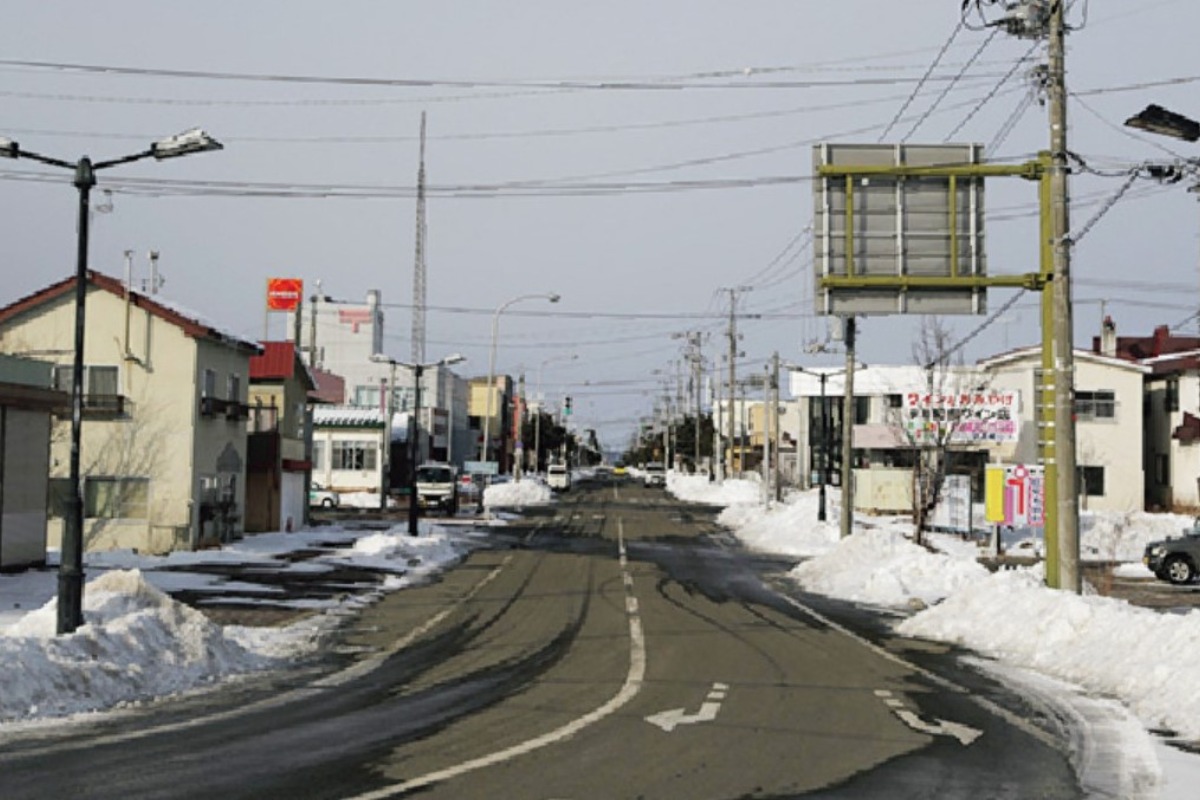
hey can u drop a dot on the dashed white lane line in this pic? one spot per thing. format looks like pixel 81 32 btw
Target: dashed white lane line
pixel 634 678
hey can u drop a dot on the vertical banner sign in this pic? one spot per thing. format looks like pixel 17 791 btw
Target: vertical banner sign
pixel 1016 495
pixel 284 294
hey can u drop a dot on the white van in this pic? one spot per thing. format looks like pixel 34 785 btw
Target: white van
pixel 558 477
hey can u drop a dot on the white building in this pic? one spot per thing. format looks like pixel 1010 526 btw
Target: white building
pixel 342 338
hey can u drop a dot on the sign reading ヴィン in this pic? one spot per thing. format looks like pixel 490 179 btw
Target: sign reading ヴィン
pixel 284 294
pixel 959 417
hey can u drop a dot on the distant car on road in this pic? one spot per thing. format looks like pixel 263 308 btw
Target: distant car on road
pixel 437 487
pixel 654 474
pixel 558 477
pixel 1176 559
pixel 619 470
pixel 321 497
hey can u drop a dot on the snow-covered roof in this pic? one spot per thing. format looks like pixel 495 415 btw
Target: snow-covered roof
pixel 348 417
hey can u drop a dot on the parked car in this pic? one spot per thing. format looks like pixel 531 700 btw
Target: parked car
pixel 654 474
pixel 1175 559
pixel 558 477
pixel 319 496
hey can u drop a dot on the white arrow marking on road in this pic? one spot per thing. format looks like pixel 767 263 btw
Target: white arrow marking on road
pixel 671 719
pixel 964 733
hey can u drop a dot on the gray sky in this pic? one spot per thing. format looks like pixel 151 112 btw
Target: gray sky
pixel 627 155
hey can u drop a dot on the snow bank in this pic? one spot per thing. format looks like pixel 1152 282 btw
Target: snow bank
pixel 881 567
pixel 787 528
pixel 698 489
pixel 136 643
pixel 1145 657
pixel 1123 537
pixel 515 494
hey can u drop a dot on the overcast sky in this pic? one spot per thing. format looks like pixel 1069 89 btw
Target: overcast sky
pixel 636 157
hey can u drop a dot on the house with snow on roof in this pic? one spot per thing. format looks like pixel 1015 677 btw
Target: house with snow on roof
pixel 163 447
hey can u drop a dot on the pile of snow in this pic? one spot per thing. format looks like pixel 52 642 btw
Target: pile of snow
pixel 136 643
pixel 698 489
pixel 1123 537
pixel 365 500
pixel 1146 658
pixel 881 567
pixel 786 528
pixel 517 494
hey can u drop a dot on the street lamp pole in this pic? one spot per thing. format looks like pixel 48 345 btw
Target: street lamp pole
pixel 414 451
pixel 491 384
pixel 826 429
pixel 70 571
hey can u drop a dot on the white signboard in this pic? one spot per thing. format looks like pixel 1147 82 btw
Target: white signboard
pixel 961 417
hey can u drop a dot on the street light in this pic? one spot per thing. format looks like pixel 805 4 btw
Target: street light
pixel 822 377
pixel 414 452
pixel 1156 119
pixel 70 570
pixel 487 420
pixel 537 421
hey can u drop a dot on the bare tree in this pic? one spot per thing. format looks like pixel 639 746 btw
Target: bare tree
pixel 931 424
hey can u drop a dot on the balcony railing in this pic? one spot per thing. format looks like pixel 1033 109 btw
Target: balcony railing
pixel 104 406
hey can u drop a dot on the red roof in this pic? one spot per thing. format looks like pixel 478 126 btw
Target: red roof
pixel 276 363
pixel 189 322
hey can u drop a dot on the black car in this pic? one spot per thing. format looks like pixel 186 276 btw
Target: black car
pixel 1175 559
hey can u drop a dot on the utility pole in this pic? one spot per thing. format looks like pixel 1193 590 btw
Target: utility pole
pixel 418 312
pixel 1064 356
pixel 733 356
pixel 847 519
pixel 777 426
pixel 766 466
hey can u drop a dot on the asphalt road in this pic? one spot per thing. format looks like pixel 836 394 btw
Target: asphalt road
pixel 619 647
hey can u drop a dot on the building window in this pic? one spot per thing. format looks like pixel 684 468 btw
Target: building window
pixel 116 498
pixel 1095 405
pixel 895 401
pixel 367 396
pixel 1171 397
pixel 97 381
pixel 1091 481
pixel 862 410
pixel 318 457
pixel 209 387
pixel 354 455
pixel 234 389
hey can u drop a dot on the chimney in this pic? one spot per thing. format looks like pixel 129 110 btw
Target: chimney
pixel 1162 335
pixel 1108 338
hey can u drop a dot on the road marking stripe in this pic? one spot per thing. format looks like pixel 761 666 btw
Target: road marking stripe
pixel 938 680
pixel 633 684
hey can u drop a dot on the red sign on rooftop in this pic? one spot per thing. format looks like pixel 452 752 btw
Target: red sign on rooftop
pixel 284 294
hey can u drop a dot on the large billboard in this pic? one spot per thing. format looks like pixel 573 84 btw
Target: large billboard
pixel 927 224
pixel 967 417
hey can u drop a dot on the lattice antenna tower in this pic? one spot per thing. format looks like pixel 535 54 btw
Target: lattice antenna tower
pixel 418 302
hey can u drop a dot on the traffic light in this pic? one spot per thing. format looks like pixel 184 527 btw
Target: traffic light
pixel 567 406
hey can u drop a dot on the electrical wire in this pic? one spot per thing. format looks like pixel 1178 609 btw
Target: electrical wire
pixel 924 78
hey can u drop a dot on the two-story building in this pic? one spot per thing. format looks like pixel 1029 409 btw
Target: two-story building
pixel 279 445
pixel 163 446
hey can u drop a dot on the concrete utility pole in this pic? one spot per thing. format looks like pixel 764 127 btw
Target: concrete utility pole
pixel 1064 356
pixel 732 378
pixel 847 520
